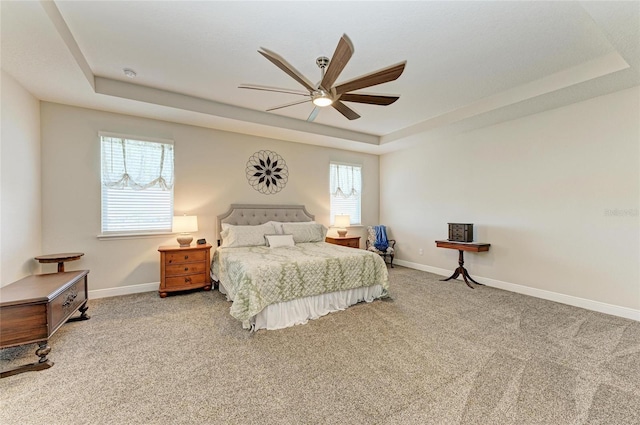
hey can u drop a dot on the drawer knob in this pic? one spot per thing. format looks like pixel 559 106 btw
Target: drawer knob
pixel 186 269
pixel 187 279
pixel 186 257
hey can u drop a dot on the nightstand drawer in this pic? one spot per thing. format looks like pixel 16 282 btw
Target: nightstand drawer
pixel 353 243
pixel 186 268
pixel 186 257
pixel 186 281
pixel 348 241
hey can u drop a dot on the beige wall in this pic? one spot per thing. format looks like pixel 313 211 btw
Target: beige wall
pixel 209 174
pixel 20 205
pixel 556 194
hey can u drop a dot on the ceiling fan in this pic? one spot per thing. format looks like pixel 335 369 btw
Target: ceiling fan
pixel 325 93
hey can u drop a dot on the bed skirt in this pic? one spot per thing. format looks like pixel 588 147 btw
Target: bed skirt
pixel 300 311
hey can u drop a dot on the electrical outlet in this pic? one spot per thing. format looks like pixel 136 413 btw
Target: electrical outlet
pixel 420 251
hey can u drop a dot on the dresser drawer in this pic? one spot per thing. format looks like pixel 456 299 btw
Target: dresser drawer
pixel 66 303
pixel 186 281
pixel 185 268
pixel 185 257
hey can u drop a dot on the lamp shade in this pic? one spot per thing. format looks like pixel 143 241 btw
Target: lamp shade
pixel 185 224
pixel 342 221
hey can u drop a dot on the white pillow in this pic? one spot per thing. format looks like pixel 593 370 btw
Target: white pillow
pixel 278 226
pixel 236 236
pixel 280 230
pixel 305 232
pixel 274 241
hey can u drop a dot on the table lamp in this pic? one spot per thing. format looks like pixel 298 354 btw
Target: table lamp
pixel 185 224
pixel 341 222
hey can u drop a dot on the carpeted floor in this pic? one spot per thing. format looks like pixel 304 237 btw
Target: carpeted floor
pixel 435 353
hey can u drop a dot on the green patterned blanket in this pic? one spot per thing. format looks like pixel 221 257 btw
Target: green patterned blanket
pixel 258 276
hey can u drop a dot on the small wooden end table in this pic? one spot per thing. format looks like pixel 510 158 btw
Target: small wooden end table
pixel 461 247
pixel 59 258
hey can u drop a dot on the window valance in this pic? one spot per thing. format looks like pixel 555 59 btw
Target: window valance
pixel 136 164
pixel 346 180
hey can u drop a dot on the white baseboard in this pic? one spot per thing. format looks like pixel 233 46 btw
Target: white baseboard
pixel 614 310
pixel 123 290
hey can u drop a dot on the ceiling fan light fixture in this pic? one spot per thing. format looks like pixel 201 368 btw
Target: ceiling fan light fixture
pixel 321 99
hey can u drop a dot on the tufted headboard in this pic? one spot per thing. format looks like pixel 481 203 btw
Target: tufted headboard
pixel 254 214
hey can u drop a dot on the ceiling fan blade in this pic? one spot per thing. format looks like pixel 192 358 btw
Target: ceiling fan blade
pixel 339 60
pixel 313 114
pixel 279 61
pixel 373 79
pixel 345 110
pixel 274 89
pixel 371 99
pixel 297 102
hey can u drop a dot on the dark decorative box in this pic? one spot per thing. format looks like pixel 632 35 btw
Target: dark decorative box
pixel 461 232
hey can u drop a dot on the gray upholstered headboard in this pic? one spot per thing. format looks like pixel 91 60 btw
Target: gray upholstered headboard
pixel 254 214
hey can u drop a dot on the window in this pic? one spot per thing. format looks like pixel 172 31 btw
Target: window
pixel 345 190
pixel 137 185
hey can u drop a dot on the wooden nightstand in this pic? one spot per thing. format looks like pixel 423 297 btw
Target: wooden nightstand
pixel 350 241
pixel 182 269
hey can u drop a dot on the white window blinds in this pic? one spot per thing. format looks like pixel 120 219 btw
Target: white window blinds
pixel 345 191
pixel 137 185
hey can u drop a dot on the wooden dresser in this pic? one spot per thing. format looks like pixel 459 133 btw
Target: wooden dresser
pixel 33 308
pixel 185 268
pixel 350 241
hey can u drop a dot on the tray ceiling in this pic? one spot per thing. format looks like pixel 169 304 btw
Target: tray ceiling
pixel 469 64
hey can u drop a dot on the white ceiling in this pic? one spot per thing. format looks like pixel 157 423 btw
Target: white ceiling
pixel 469 64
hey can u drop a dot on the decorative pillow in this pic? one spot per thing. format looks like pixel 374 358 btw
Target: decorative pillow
pixel 278 226
pixel 280 230
pixel 274 241
pixel 305 232
pixel 236 236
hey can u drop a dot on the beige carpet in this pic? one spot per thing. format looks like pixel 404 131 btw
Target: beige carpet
pixel 436 353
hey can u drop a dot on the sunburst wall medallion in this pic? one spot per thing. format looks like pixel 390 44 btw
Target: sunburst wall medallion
pixel 267 172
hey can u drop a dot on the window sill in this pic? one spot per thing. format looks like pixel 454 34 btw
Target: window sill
pixel 115 236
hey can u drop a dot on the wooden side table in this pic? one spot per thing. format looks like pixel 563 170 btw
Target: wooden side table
pixel 350 241
pixel 461 247
pixel 60 259
pixel 184 268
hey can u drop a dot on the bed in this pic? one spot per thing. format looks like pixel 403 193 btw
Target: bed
pixel 277 271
